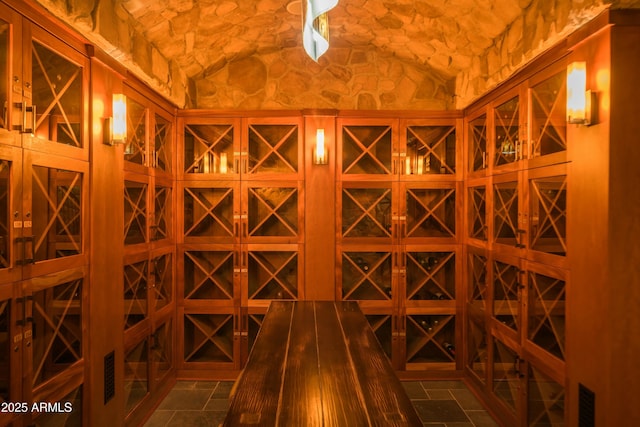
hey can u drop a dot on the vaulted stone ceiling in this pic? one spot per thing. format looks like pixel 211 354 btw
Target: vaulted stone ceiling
pixel 384 54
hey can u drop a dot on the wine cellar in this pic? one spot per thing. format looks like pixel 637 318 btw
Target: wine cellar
pixel 494 243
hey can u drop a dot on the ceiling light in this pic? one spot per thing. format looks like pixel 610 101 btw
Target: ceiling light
pixel 315 26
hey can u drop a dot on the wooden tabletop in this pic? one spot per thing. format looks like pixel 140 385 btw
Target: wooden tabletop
pixel 318 364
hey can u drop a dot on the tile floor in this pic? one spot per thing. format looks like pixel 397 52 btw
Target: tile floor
pixel 204 404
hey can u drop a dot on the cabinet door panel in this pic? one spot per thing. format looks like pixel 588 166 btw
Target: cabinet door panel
pixel 55 305
pixel 57 91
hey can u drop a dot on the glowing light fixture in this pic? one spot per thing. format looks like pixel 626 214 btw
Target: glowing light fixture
pixel 580 101
pixel 315 26
pixel 115 127
pixel 320 153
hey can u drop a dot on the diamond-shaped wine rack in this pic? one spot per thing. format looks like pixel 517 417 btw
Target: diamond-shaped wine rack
pixel 366 276
pixel 273 211
pixel 548 116
pixel 546 311
pixel 430 275
pixel 548 215
pixel 366 150
pixel 208 338
pixel 506 294
pixel 273 148
pixel 208 275
pixel 366 212
pixel 506 132
pixel 208 212
pixel 431 212
pixel 431 338
pixel 135 292
pixel 273 275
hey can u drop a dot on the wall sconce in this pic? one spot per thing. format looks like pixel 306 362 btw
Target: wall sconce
pixel 581 102
pixel 320 152
pixel 115 128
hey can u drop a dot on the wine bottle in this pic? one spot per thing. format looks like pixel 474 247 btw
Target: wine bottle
pixel 362 264
pixel 426 325
pixel 451 349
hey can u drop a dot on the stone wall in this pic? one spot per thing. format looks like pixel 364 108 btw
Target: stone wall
pixel 343 78
pixel 111 29
pixel 544 23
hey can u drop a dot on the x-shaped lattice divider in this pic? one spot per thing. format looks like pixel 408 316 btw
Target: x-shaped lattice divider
pixel 162 345
pixel 56 97
pixel 272 272
pixel 478 346
pixel 138 208
pixel 162 272
pixel 273 150
pixel 273 211
pixel 553 212
pixel 424 336
pixel 366 211
pixel 430 275
pixel 209 207
pixel 505 359
pixel 547 306
pixel 56 208
pixel 366 151
pixel 208 148
pixel 507 279
pixel 135 280
pixel 135 138
pixel 57 325
pixel 210 332
pixel 162 143
pixel 431 212
pixel 133 375
pixel 511 136
pixel 551 396
pixel 431 149
pixel 367 276
pixel 554 121
pixel 478 206
pixel 479 277
pixel 161 215
pixel 479 140
pixel 209 270
pixel 502 207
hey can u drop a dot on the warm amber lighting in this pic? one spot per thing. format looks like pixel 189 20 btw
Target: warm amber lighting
pixel 119 132
pixel 115 127
pixel 320 153
pixel 223 163
pixel 579 99
pixel 315 26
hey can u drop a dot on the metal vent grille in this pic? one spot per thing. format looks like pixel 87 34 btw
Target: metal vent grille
pixel 109 376
pixel 586 407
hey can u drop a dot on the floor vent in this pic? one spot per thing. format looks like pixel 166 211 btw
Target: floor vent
pixel 109 376
pixel 586 407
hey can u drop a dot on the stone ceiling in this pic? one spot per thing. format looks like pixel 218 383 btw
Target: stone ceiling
pixel 384 54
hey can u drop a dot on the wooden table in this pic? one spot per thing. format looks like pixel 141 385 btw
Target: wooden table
pixel 318 364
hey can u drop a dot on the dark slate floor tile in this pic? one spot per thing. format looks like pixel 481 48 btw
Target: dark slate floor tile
pixel 196 419
pixel 207 385
pixel 178 399
pixel 159 418
pixel 185 385
pixel 440 411
pixel 434 425
pixel 482 419
pixel 438 394
pixel 217 405
pixel 223 389
pixel 442 384
pixel 414 390
pixel 466 399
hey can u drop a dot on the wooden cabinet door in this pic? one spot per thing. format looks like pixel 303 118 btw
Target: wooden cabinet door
pixel 11 87
pixel 56 87
pixel 54 220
